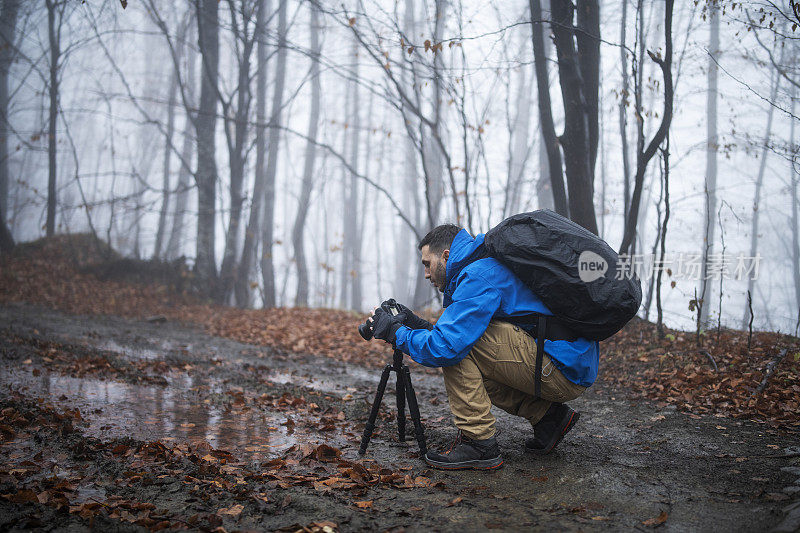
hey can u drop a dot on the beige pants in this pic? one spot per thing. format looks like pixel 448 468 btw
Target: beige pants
pixel 499 370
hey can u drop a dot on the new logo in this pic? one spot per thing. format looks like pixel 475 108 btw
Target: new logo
pixel 591 266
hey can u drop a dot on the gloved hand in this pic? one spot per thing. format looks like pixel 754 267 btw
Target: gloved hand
pixel 411 320
pixel 385 325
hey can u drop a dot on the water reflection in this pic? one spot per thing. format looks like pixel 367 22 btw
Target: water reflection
pixel 183 411
pixel 132 352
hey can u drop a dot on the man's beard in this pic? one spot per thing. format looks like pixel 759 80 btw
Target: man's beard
pixel 441 272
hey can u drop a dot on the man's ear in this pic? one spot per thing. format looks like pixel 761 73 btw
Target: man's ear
pixel 445 255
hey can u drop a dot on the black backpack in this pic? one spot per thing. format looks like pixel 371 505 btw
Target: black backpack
pixel 577 275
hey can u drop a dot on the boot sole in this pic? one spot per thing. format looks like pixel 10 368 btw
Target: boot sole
pixel 565 428
pixel 477 464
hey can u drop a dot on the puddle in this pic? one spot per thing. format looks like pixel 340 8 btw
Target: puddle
pixel 176 413
pixel 130 351
pixel 328 384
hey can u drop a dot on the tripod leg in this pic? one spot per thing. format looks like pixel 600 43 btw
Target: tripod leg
pixel 413 408
pixel 373 415
pixel 401 406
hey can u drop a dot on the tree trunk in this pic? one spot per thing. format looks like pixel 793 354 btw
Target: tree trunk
pixel 237 158
pixel 576 140
pixel 308 168
pixel 712 146
pixel 162 215
pixel 6 239
pixel 175 244
pixel 644 156
pixel 405 257
pixel 352 233
pixel 253 231
pixel 660 320
pixel 206 176
pixel 8 23
pixel 623 113
pixel 54 34
pixel 776 80
pixel 545 111
pixel 349 219
pixel 520 148
pixel 603 165
pixel 432 156
pixel 588 40
pixel 267 266
pixel 795 177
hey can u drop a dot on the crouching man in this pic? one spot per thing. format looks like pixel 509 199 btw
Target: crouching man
pixel 487 353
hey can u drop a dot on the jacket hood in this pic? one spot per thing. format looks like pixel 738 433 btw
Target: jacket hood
pixel 464 250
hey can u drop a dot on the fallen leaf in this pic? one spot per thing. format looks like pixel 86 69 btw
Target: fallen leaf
pixel 235 510
pixel 23 496
pixel 363 505
pixel 657 521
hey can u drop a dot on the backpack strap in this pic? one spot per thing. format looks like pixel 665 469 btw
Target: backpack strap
pixel 541 328
pixel 555 329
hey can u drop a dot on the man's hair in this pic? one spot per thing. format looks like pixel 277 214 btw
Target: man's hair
pixel 440 238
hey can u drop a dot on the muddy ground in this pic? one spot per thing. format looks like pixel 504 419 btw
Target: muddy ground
pixel 123 425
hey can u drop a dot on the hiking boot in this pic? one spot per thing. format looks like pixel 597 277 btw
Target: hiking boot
pixel 467 454
pixel 549 431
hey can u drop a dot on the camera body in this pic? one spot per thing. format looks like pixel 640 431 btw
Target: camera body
pixel 365 329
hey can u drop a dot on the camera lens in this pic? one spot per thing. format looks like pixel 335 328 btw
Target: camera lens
pixel 365 330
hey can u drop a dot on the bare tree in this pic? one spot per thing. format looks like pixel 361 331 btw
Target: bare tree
pixel 776 79
pixel 172 100
pixel 794 169
pixel 55 20
pixel 405 273
pixel 205 125
pixel 253 231
pixel 645 155
pixel 8 23
pixel 663 239
pixel 267 265
pixel 577 70
pixel 549 138
pixel 185 173
pixel 308 167
pixel 348 273
pixel 6 239
pixel 243 15
pixel 519 146
pixel 431 148
pixel 712 147
pixel 624 100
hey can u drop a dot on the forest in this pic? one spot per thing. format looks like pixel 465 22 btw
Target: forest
pixel 201 200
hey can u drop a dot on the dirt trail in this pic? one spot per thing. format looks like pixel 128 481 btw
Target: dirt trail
pixel 241 427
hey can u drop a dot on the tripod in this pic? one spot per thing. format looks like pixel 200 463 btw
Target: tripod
pixel 405 391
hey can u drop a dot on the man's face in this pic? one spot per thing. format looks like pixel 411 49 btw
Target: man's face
pixel 435 266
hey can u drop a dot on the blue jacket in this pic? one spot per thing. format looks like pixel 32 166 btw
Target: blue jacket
pixel 477 291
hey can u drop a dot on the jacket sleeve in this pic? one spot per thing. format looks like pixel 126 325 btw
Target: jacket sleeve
pixel 474 303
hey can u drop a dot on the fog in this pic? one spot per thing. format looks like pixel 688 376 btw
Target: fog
pixel 426 113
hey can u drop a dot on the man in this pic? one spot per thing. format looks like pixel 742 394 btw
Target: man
pixel 486 355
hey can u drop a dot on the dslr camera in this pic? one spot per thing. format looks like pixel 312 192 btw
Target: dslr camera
pixel 365 329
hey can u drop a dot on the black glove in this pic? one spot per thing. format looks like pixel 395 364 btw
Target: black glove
pixel 385 325
pixel 412 321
